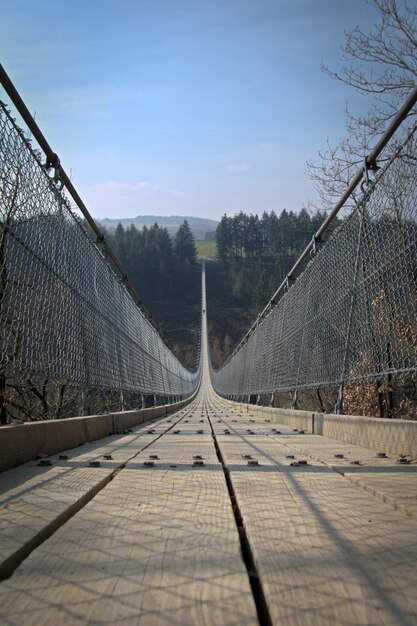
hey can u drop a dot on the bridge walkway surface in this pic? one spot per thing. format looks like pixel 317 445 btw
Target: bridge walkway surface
pixel 202 517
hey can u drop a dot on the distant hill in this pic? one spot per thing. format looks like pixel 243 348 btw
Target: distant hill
pixel 200 226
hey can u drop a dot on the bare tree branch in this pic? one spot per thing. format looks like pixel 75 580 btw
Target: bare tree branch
pixel 381 63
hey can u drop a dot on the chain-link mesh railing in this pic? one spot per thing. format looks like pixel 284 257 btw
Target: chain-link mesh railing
pixel 352 313
pixel 64 314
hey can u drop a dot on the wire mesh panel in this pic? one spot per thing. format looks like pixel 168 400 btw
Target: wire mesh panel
pixel 352 314
pixel 64 314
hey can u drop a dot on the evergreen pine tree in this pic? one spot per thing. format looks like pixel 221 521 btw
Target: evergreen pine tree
pixel 184 244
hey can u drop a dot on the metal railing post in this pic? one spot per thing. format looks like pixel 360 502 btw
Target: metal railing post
pixel 294 402
pixel 84 404
pixel 339 402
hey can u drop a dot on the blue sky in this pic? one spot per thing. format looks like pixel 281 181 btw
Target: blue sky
pixel 190 107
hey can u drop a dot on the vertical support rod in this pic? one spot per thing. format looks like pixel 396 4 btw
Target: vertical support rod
pixel 83 400
pixel 339 402
pixel 3 286
pixel 294 403
pixel 3 408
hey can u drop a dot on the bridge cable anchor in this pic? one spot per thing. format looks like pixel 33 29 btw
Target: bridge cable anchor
pixel 315 242
pixel 289 280
pixel 53 162
pixel 368 166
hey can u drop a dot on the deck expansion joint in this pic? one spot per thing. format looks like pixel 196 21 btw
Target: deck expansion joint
pixel 247 555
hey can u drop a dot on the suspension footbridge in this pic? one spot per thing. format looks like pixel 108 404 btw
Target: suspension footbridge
pixel 215 514
pixel 203 509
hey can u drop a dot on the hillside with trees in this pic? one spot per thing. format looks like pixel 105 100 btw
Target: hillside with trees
pixel 166 275
pixel 201 228
pixel 255 255
pixel 270 236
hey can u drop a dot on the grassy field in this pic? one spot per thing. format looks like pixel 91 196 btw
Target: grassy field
pixel 206 249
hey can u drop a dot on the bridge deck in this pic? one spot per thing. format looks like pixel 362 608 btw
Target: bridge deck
pixel 228 542
pixel 155 544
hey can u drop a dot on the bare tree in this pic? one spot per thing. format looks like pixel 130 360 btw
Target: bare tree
pixel 381 64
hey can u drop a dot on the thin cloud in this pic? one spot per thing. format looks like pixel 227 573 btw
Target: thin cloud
pixel 85 103
pixel 121 198
pixel 124 187
pixel 238 167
